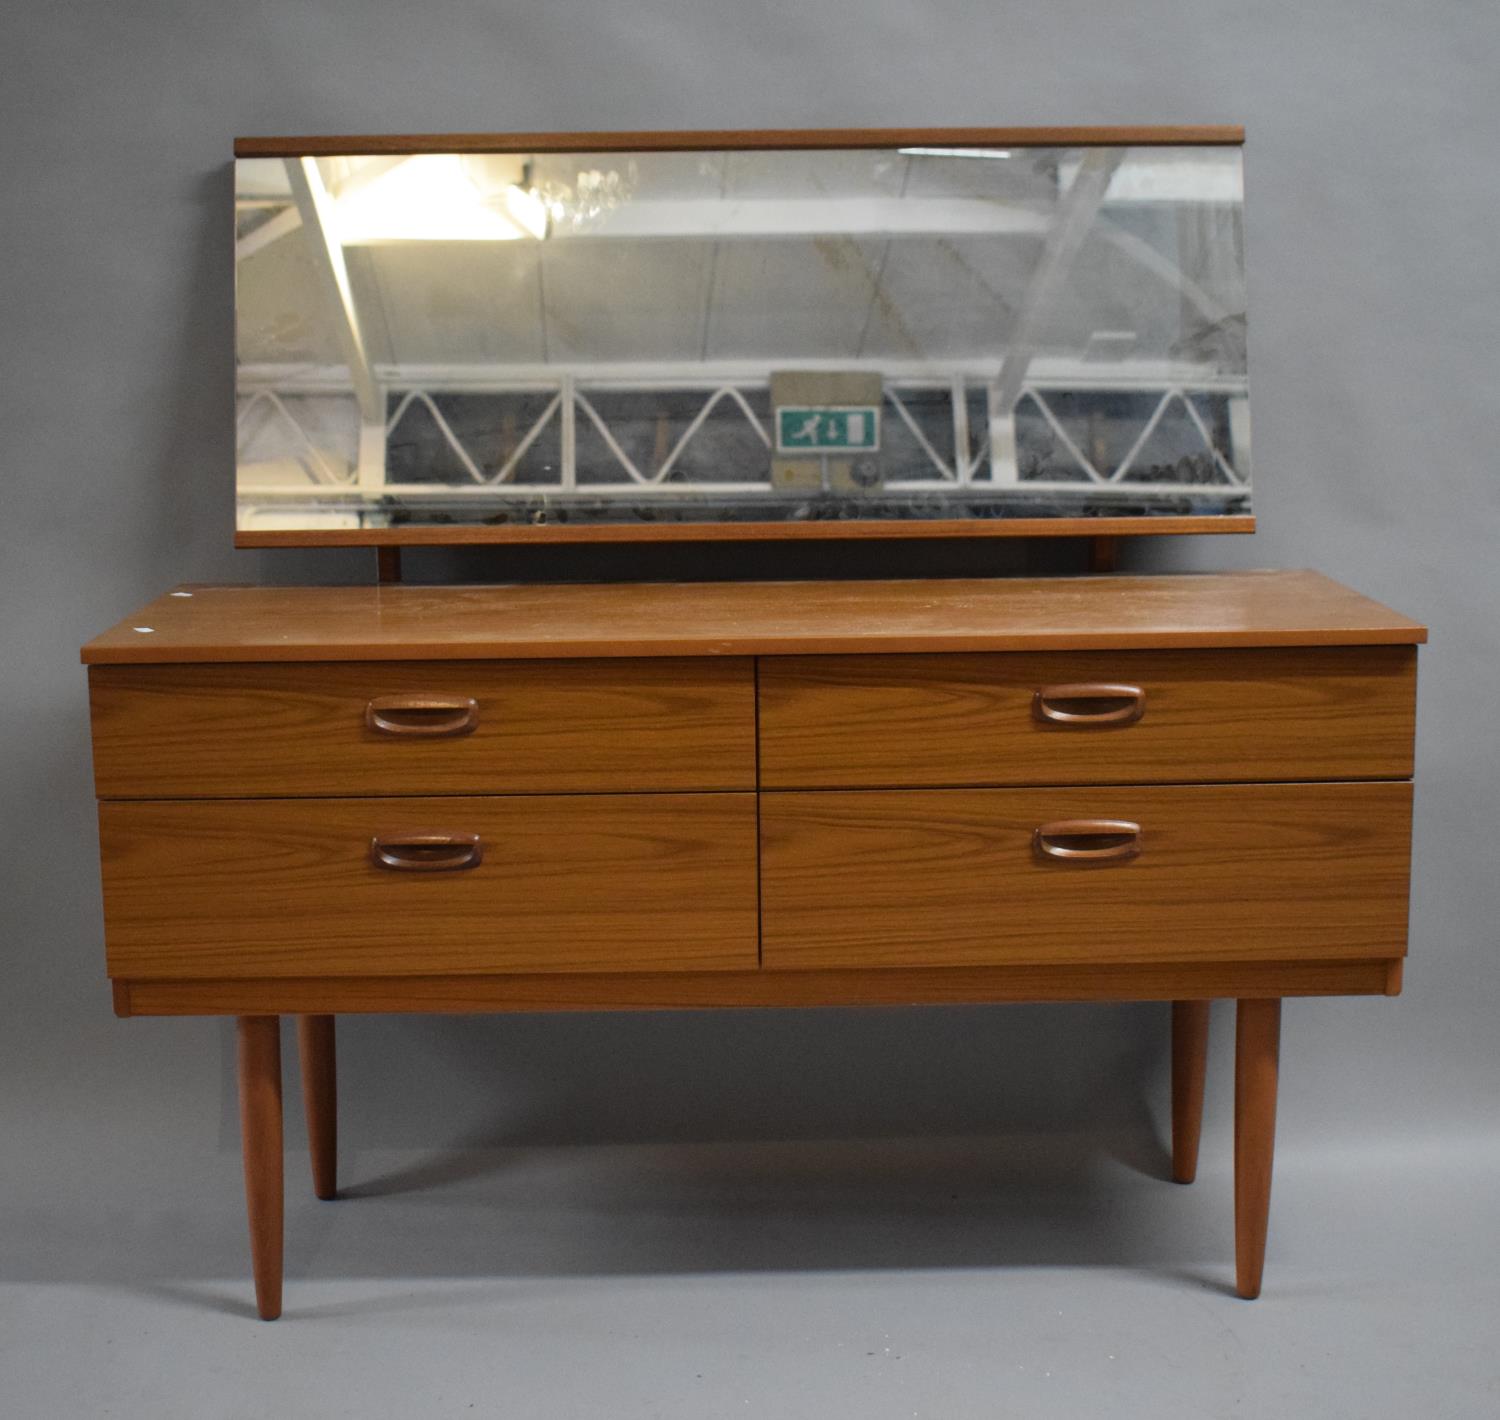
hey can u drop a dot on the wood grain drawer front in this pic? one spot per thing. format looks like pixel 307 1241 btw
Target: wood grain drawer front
pixel 588 726
pixel 1210 716
pixel 277 888
pixel 954 877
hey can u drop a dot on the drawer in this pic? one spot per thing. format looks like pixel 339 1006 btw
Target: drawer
pixel 276 888
pixel 949 877
pixel 1178 717
pixel 250 730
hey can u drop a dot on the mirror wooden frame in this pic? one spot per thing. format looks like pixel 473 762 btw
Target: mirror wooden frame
pixel 1220 135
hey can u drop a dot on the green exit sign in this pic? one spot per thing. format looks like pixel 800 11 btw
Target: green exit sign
pixel 827 428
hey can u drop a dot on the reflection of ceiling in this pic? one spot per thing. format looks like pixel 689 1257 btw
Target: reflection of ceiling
pixel 877 256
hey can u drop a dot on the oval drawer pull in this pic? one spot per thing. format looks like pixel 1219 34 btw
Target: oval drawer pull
pixel 427 716
pixel 1085 705
pixel 1089 840
pixel 426 852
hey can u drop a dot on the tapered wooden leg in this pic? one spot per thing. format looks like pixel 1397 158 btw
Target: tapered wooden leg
pixel 320 1100
pixel 1189 1065
pixel 1257 1045
pixel 260 1138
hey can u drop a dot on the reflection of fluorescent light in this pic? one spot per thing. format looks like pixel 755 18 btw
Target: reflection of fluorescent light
pixel 430 198
pixel 955 152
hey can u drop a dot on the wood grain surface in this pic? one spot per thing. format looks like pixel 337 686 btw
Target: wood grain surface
pixel 248 730
pixel 662 991
pixel 1190 1021
pixel 317 1053
pixel 259 1061
pixel 891 878
pixel 405 622
pixel 872 721
pixel 1137 135
pixel 1257 1050
pixel 831 530
pixel 279 887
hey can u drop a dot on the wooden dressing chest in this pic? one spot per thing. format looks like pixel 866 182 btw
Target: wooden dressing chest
pixel 398 798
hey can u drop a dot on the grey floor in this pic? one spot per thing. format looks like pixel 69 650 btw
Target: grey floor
pixel 1025 1274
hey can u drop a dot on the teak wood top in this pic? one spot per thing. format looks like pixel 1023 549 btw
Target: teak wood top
pixel 404 622
pixel 830 530
pixel 769 138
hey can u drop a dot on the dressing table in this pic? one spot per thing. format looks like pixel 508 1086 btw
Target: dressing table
pixel 317 801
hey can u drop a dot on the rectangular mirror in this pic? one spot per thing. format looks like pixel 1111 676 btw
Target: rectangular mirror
pixel 702 335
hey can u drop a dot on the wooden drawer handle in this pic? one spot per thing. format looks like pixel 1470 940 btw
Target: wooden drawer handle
pixel 428 716
pixel 1085 705
pixel 1089 840
pixel 426 852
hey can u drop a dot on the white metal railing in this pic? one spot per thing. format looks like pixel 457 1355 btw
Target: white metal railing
pixel 318 465
pixel 975 465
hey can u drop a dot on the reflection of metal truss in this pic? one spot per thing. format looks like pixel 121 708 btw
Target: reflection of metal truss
pixel 320 469
pixel 507 470
pixel 729 392
pixel 974 463
pixel 1127 464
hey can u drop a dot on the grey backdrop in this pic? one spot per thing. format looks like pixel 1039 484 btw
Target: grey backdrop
pixel 1372 211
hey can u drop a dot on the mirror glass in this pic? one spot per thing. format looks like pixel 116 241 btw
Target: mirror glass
pixel 494 340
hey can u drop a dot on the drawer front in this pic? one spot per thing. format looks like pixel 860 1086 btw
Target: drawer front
pixel 1123 717
pixel 957 877
pixel 275 888
pixel 582 726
